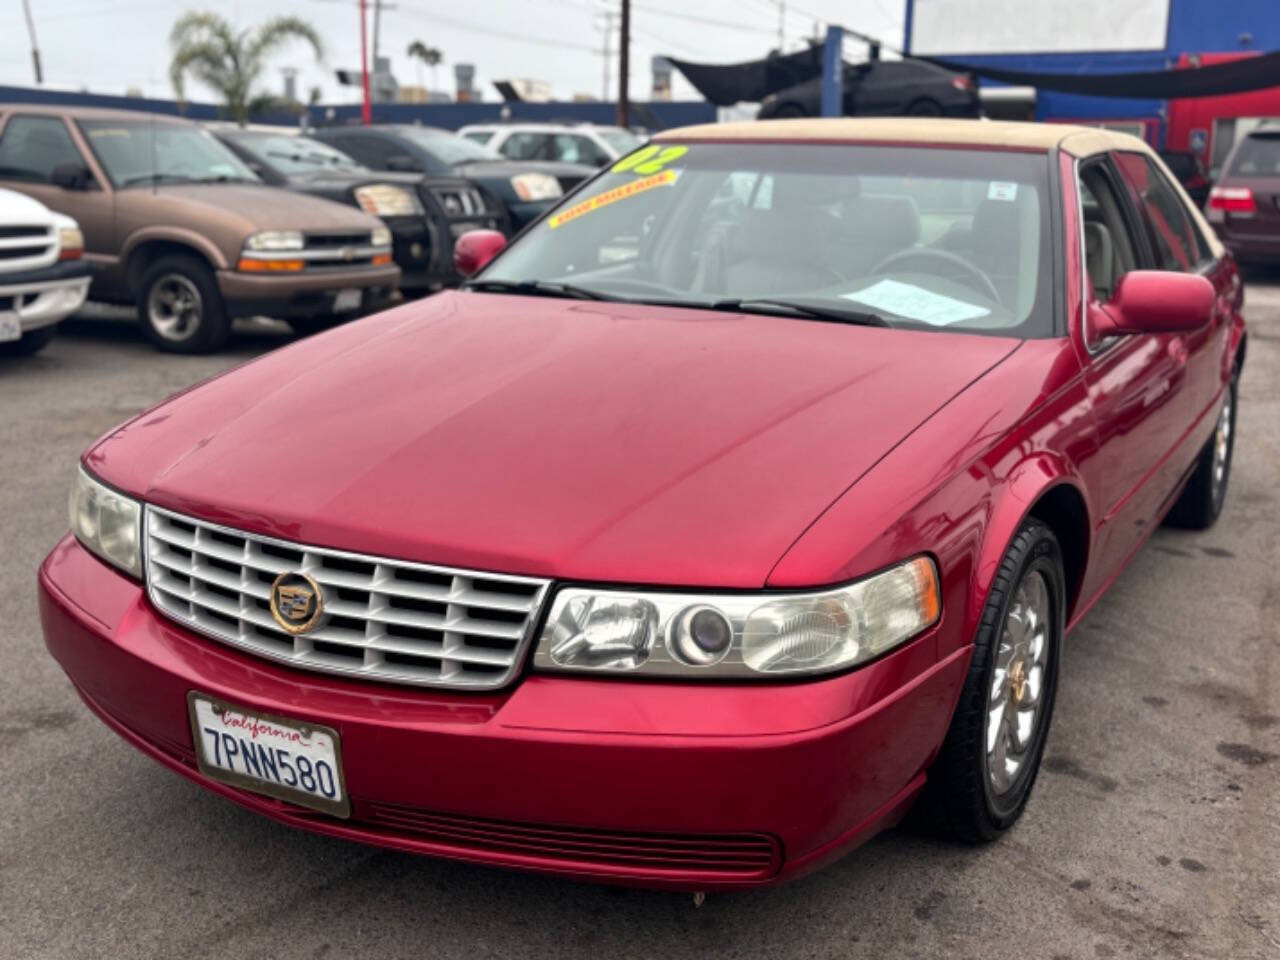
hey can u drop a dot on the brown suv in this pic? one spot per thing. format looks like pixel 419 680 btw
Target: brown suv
pixel 177 224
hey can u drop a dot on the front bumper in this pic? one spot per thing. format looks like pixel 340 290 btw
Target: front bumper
pixel 46 296
pixel 308 293
pixel 685 786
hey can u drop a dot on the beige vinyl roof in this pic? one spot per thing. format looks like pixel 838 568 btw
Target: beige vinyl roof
pixel 1076 140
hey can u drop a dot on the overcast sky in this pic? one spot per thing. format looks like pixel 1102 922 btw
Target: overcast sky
pixel 108 46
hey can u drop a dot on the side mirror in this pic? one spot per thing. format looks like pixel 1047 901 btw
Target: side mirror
pixel 1156 301
pixel 474 249
pixel 71 176
pixel 402 163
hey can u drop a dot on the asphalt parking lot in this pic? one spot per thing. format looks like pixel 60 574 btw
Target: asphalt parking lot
pixel 1154 830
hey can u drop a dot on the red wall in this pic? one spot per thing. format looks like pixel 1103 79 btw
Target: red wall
pixel 1200 112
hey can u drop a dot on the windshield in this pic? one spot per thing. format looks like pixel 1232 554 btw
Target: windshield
pixel 448 148
pixel 292 155
pixel 146 153
pixel 1257 156
pixel 927 238
pixel 622 141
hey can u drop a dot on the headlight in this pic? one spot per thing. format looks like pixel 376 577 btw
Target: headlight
pixel 714 636
pixel 386 200
pixel 70 243
pixel 536 186
pixel 275 240
pixel 380 237
pixel 107 523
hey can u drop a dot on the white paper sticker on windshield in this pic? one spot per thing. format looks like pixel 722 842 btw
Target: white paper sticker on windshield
pixel 998 190
pixel 916 303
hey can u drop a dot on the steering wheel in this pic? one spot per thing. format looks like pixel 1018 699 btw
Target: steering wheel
pixel 969 270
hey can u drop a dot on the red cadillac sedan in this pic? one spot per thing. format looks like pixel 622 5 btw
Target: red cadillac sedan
pixel 736 508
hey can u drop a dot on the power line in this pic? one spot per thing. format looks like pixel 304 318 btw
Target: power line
pixel 711 21
pixel 434 17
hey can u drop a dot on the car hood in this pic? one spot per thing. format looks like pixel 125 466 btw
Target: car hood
pixel 260 207
pixel 570 439
pixel 344 179
pixel 484 169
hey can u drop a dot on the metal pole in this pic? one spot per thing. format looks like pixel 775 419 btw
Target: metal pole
pixel 366 110
pixel 608 36
pixel 377 24
pixel 782 25
pixel 624 65
pixel 833 73
pixel 35 51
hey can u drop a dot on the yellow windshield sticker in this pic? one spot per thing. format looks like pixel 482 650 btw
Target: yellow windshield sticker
pixel 665 178
pixel 649 159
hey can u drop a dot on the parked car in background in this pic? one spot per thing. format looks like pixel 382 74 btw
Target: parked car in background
pixel 424 213
pixel 1244 205
pixel 525 187
pixel 585 143
pixel 694 569
pixel 179 226
pixel 43 274
pixel 909 88
pixel 1189 169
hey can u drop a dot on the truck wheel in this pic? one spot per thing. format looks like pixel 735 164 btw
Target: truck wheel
pixel 180 307
pixel 983 776
pixel 1200 503
pixel 33 341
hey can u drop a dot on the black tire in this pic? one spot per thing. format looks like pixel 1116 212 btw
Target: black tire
pixel 959 801
pixel 924 108
pixel 787 111
pixel 200 323
pixel 306 326
pixel 1201 501
pixel 33 341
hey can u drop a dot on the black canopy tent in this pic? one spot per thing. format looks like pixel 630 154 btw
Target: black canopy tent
pixel 752 81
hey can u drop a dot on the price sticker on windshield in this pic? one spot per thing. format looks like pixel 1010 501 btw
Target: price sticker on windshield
pixel 649 159
pixel 662 179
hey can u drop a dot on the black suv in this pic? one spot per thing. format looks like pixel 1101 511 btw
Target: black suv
pixel 526 187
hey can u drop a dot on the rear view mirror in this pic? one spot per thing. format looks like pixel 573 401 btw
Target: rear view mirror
pixel 71 176
pixel 475 248
pixel 1156 301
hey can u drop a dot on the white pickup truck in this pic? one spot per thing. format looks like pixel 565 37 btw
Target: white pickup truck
pixel 43 274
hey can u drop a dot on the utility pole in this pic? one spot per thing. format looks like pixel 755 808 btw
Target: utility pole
pixel 609 17
pixel 377 25
pixel 782 25
pixel 35 50
pixel 366 110
pixel 624 65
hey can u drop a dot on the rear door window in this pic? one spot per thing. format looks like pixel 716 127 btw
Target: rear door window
pixel 525 146
pixel 1175 241
pixel 1257 156
pixel 31 147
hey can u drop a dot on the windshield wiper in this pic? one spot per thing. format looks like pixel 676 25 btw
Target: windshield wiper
pixel 155 178
pixel 805 309
pixel 538 288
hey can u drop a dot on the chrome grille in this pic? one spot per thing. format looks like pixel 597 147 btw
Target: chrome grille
pixel 383 619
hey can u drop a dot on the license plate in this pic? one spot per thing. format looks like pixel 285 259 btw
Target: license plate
pixel 287 759
pixel 346 300
pixel 10 327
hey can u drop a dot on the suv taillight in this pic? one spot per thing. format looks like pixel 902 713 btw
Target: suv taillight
pixel 1232 200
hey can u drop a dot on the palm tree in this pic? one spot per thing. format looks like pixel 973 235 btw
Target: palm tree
pixel 431 56
pixel 208 48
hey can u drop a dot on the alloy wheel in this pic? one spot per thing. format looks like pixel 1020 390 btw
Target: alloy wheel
pixel 175 307
pixel 1016 695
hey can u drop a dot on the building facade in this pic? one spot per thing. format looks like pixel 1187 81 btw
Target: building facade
pixel 1113 36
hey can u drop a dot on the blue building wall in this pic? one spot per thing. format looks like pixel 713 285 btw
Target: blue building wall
pixel 1195 26
pixel 451 116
